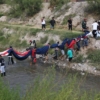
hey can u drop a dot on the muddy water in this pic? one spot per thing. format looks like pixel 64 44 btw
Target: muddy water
pixel 21 75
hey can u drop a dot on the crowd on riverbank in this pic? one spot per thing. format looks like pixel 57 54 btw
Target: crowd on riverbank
pixel 74 44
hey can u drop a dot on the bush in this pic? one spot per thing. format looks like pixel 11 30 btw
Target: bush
pixel 78 59
pixel 1 1
pixel 94 56
pixel 58 3
pixel 44 40
pixel 94 6
pixel 28 7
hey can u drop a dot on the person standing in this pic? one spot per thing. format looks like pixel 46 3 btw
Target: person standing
pixel 70 24
pixel 52 22
pixel 2 67
pixel 33 56
pixel 69 55
pixel 34 44
pixel 43 23
pixel 95 26
pixel 10 57
pixel 84 25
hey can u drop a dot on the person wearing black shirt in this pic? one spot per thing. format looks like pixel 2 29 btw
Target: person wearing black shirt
pixel 10 57
pixel 2 67
pixel 52 22
pixel 70 24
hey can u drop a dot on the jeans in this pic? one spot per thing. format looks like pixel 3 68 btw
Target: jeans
pixel 85 42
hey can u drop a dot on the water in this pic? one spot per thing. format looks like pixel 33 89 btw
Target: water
pixel 21 75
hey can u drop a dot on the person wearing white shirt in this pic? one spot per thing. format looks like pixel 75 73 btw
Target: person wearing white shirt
pixel 43 23
pixel 95 25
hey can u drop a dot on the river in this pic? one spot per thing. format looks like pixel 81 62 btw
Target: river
pixel 21 75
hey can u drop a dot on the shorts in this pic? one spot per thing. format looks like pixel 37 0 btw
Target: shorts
pixel 43 26
pixel 70 59
pixel 62 52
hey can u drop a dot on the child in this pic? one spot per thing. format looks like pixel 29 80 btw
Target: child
pixel 69 55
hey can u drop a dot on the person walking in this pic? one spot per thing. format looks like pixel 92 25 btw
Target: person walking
pixel 2 67
pixel 69 55
pixel 95 26
pixel 34 44
pixel 52 23
pixel 10 57
pixel 43 22
pixel 70 24
pixel 33 56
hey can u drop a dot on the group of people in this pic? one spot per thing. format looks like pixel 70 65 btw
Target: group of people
pixel 71 44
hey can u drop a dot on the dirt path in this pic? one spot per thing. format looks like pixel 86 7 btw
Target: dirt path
pixel 35 27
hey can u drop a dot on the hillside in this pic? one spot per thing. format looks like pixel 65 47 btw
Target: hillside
pixel 76 10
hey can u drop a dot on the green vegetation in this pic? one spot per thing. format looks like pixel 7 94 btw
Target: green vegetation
pixel 78 59
pixel 47 88
pixel 58 3
pixel 44 40
pixel 94 56
pixel 8 94
pixel 94 6
pixel 67 17
pixel 1 1
pixel 25 7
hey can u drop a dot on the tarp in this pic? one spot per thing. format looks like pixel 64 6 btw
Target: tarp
pixel 20 57
pixel 42 50
pixel 54 45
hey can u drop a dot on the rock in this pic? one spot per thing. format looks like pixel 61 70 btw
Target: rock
pixel 82 73
pixel 4 8
pixel 3 18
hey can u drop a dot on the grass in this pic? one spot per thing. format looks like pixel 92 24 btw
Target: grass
pixel 94 56
pixel 78 59
pixel 51 88
pixel 21 31
pixel 65 20
pixel 6 93
pixel 44 40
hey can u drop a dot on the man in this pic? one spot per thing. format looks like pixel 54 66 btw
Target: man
pixel 2 67
pixel 70 24
pixel 33 56
pixel 10 57
pixel 56 52
pixel 94 25
pixel 43 23
pixel 52 22
pixel 84 25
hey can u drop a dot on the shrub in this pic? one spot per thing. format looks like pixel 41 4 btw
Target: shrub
pixel 44 40
pixel 93 7
pixel 29 7
pixel 58 3
pixel 94 56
